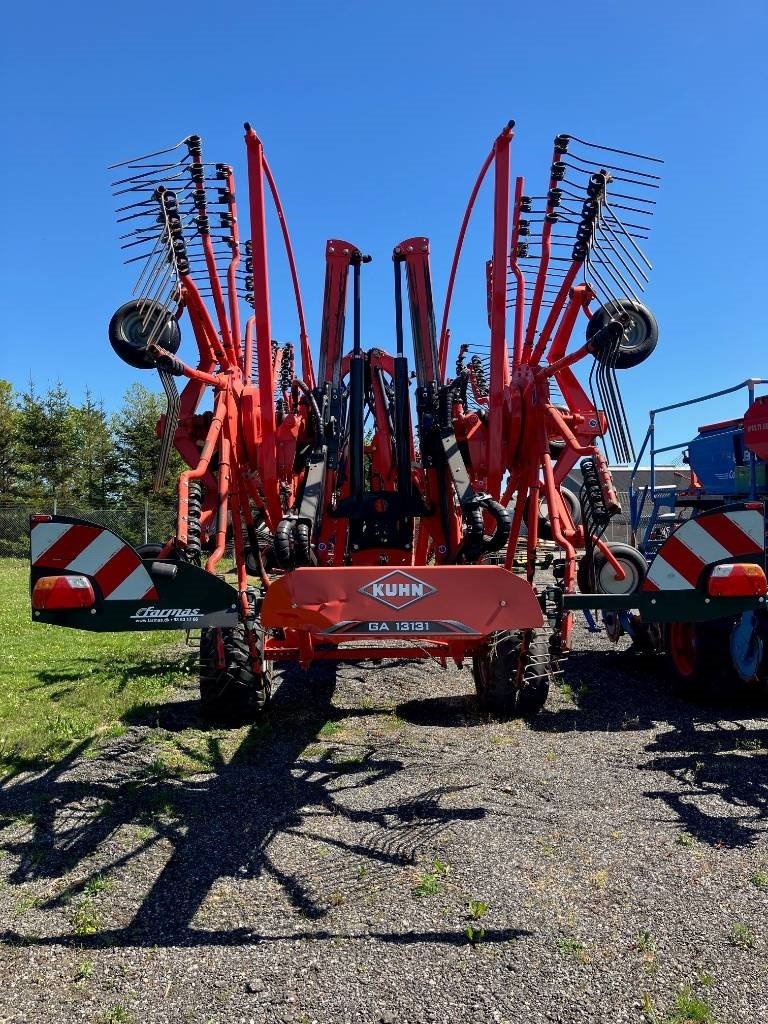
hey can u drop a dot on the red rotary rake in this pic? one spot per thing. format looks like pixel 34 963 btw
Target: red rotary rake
pixel 372 511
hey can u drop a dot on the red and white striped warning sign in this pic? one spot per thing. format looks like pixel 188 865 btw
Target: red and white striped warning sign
pixel 699 542
pixel 95 552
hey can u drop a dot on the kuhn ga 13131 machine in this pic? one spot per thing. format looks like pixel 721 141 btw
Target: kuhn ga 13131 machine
pixel 374 510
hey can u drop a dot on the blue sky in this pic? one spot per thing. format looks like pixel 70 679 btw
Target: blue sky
pixel 375 118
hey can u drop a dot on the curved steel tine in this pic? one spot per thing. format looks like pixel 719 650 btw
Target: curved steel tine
pixel 604 224
pixel 170 426
pixel 619 253
pixel 151 172
pixel 613 167
pixel 148 156
pixel 612 149
pixel 617 220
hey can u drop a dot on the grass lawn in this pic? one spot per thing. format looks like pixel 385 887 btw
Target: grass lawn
pixel 59 687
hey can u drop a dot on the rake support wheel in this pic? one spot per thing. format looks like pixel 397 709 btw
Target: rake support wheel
pixel 512 674
pixel 641 332
pixel 229 688
pixel 136 324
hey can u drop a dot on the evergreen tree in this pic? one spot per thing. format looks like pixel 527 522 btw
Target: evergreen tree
pixel 48 445
pixel 138 448
pixel 10 468
pixel 97 482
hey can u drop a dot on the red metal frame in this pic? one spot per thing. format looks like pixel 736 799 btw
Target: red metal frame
pixel 250 454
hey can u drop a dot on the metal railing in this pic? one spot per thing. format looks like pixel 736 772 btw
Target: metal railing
pixel 638 495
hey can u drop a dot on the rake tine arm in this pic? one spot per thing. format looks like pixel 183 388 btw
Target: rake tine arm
pixel 239 547
pixel 229 356
pixel 554 313
pixel 550 217
pixel 201 320
pixel 403 431
pixel 263 324
pixel 514 266
pixel 248 351
pixel 307 369
pixel 579 299
pixel 499 369
pixel 234 262
pixel 566 361
pixel 532 502
pixel 517 522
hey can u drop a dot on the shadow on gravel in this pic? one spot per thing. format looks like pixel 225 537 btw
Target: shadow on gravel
pixel 713 753
pixel 441 711
pixel 612 691
pixel 718 766
pixel 454 937
pixel 221 823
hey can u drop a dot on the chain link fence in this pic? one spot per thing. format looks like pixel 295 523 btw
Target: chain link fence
pixel 138 524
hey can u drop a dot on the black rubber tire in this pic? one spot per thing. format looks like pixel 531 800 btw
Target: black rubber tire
pixel 753 683
pixel 573 503
pixel 129 338
pixel 494 669
pixel 234 692
pixel 508 682
pixel 534 685
pixel 633 561
pixel 149 550
pixel 574 507
pixel 640 337
pixel 699 660
pixel 557 445
pixel 582 576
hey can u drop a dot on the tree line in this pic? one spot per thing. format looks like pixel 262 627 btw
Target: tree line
pixel 55 449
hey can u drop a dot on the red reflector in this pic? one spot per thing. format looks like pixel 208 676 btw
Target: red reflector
pixel 743 579
pixel 34 520
pixel 755 506
pixel 60 593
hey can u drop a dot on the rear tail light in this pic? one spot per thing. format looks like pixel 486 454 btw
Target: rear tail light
pixel 742 579
pixel 61 593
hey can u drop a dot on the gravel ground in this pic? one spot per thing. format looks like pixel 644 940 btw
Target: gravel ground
pixel 321 867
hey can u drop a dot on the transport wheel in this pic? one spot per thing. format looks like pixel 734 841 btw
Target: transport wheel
pixel 494 669
pixel 684 648
pixel 537 664
pixel 573 505
pixel 137 322
pixel 233 691
pixel 632 562
pixel 512 674
pixel 582 576
pixel 557 445
pixel 699 656
pixel 747 648
pixel 641 332
pixel 149 550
